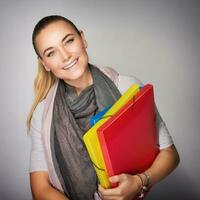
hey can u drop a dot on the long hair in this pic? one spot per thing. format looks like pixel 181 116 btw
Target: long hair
pixel 44 79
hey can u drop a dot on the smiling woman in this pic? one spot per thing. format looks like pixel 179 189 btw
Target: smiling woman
pixel 68 92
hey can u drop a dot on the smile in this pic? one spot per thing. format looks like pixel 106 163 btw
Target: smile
pixel 71 64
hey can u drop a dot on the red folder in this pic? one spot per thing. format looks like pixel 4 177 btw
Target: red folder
pixel 129 139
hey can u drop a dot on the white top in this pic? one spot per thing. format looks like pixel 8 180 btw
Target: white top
pixel 37 156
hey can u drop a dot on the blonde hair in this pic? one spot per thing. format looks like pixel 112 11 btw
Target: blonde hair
pixel 43 82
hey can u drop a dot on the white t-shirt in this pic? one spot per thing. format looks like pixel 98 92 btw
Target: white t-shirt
pixel 37 156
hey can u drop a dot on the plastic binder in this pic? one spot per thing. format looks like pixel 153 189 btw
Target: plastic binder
pixel 129 139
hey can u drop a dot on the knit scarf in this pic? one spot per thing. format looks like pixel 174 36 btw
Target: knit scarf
pixel 71 114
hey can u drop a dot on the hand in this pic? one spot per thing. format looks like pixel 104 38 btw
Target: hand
pixel 128 187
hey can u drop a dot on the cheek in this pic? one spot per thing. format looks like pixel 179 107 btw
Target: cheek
pixel 53 63
pixel 83 53
pixel 78 48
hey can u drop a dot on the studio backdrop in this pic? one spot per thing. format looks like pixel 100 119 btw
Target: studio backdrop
pixel 155 40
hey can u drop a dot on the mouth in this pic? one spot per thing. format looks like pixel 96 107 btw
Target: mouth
pixel 71 64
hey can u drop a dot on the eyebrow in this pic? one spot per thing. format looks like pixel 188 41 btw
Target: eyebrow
pixel 66 36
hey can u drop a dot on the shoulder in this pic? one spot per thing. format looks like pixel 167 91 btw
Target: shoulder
pixel 123 82
pixel 111 73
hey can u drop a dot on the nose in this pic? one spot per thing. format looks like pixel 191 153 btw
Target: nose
pixel 64 54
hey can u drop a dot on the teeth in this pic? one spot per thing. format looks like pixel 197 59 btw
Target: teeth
pixel 71 64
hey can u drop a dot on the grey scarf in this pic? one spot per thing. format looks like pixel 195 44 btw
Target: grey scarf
pixel 71 114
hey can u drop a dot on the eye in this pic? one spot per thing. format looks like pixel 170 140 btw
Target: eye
pixel 50 54
pixel 69 41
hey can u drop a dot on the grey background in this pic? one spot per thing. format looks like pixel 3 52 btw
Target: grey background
pixel 157 41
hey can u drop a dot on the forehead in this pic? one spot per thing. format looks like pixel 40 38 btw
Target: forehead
pixel 53 33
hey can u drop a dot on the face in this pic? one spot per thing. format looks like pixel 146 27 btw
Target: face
pixel 63 51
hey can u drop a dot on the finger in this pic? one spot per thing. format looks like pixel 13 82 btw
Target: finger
pixel 117 178
pixel 110 197
pixel 114 179
pixel 109 192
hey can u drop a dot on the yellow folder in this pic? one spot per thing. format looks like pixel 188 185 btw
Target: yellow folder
pixel 91 141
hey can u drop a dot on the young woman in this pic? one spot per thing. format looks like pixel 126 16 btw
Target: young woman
pixel 68 91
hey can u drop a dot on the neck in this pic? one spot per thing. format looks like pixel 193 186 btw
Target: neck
pixel 82 83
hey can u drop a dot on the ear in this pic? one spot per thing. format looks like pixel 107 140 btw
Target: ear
pixel 83 39
pixel 44 65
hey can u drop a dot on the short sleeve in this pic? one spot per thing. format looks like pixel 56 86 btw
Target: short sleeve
pixel 37 156
pixel 125 82
pixel 165 139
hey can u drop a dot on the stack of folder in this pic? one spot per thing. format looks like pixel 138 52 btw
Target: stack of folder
pixel 124 138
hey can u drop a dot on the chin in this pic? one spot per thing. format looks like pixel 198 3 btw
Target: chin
pixel 75 74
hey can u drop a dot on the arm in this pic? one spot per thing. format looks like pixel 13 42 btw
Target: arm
pixel 129 185
pixel 42 189
pixel 166 161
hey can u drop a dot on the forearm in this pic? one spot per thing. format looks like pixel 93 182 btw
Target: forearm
pixel 129 186
pixel 49 193
pixel 42 189
pixel 166 161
